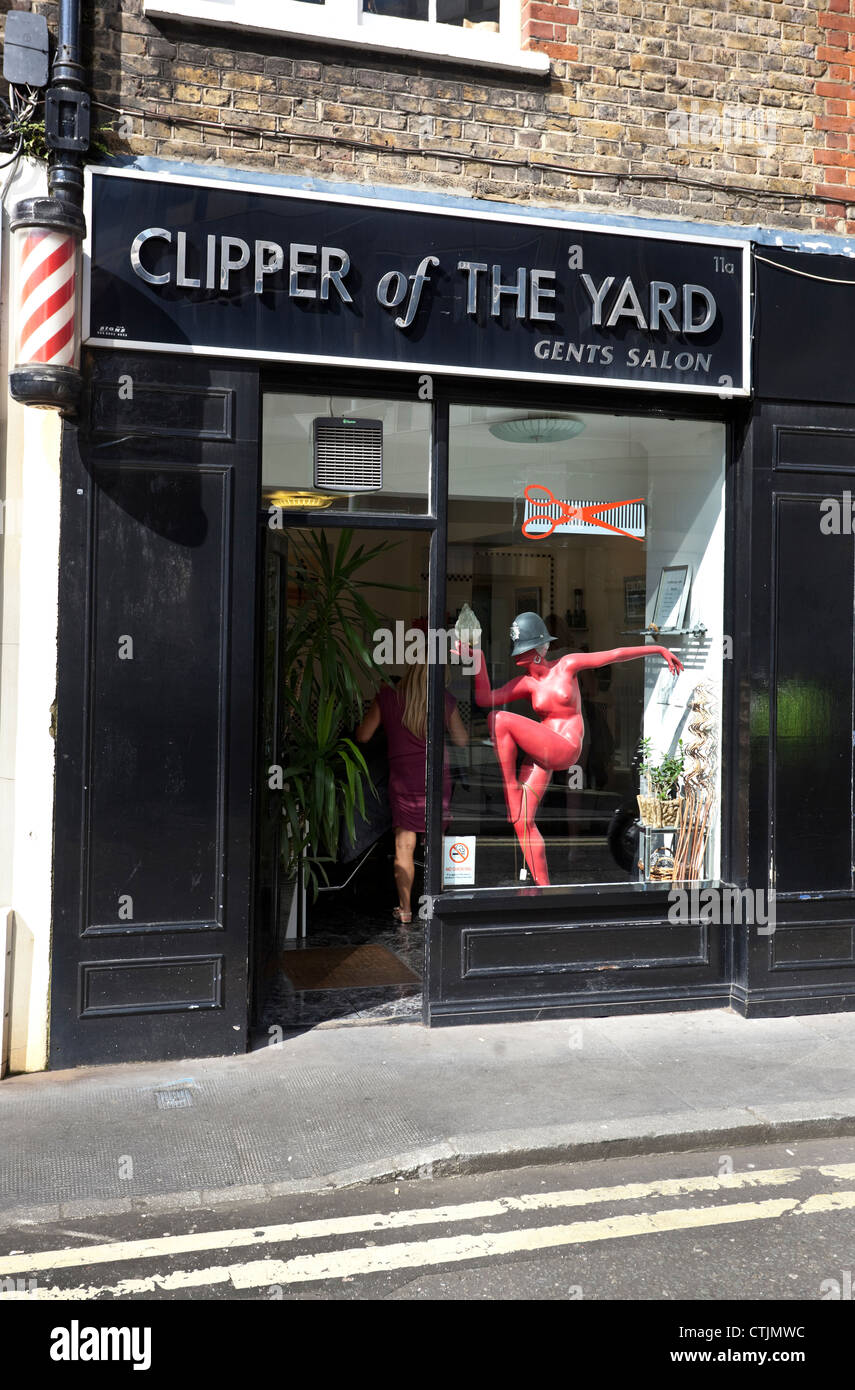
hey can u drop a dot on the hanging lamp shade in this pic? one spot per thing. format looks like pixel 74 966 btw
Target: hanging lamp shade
pixel 538 429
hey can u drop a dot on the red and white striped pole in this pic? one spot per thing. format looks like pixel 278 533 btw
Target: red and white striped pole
pixel 47 235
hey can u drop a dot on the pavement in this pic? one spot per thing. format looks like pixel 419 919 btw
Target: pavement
pixel 337 1107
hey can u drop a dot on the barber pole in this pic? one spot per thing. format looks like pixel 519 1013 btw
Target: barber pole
pixel 47 280
pixel 47 238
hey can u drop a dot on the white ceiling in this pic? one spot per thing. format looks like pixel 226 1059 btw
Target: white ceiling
pixel 613 453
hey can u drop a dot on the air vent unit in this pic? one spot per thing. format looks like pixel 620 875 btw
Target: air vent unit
pixel 348 454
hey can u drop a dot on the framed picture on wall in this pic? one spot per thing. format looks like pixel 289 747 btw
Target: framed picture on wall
pixel 528 600
pixel 672 597
pixel 634 600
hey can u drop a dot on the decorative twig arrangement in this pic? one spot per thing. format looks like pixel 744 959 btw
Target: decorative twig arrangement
pixel 698 786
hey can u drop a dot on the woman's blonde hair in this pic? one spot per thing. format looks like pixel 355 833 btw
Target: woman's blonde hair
pixel 412 692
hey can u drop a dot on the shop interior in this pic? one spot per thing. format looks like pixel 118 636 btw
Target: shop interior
pixel 329 947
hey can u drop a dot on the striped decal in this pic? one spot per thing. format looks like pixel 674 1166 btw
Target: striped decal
pixel 47 275
pixel 628 516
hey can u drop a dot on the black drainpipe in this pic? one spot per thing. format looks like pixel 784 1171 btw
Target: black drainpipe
pixel 67 110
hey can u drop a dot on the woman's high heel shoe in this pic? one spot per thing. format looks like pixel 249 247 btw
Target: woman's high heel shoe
pixel 401 918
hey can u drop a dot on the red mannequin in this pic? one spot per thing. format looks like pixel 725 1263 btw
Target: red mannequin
pixel 552 744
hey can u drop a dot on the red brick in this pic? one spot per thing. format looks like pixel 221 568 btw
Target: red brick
pixel 533 29
pixel 835 123
pixel 567 52
pixel 837 21
pixel 553 14
pixel 835 157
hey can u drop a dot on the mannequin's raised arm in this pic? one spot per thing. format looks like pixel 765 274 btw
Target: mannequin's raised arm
pixel 485 697
pixel 489 699
pixel 585 660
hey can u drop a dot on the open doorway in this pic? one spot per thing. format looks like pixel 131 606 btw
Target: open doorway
pixel 329 943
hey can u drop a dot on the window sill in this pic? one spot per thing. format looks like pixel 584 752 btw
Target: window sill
pixel 460 901
pixel 391 36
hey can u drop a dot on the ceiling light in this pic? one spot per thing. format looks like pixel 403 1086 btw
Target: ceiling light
pixel 538 429
pixel 297 499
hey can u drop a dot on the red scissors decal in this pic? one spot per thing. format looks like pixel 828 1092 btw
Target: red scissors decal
pixel 549 509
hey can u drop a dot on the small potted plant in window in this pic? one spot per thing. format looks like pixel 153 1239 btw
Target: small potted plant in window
pixel 648 802
pixel 666 782
pixel 659 801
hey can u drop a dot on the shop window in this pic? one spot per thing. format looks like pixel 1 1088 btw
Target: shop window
pixel 486 32
pixel 570 537
pixel 345 453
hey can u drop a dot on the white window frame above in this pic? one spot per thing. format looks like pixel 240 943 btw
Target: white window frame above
pixel 345 22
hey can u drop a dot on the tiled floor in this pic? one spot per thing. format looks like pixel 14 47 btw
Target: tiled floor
pixel 341 919
pixel 342 925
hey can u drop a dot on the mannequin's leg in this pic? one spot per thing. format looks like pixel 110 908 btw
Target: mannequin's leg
pixel 514 733
pixel 506 753
pixel 533 783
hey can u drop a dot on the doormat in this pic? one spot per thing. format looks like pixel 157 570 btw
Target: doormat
pixel 344 967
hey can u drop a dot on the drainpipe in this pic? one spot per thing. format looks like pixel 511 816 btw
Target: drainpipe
pixel 47 235
pixel 67 111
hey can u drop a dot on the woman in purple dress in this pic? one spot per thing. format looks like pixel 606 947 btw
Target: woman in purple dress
pixel 402 710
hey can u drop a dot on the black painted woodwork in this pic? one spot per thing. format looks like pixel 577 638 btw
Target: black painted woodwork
pixel 803 325
pixel 156 711
pixel 159 541
pixel 797 586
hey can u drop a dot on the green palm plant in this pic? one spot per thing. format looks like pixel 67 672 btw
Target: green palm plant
pixel 328 671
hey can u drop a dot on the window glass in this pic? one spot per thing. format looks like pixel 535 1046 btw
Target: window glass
pixel 345 453
pixel 471 14
pixel 468 14
pixel 546 792
pixel 401 9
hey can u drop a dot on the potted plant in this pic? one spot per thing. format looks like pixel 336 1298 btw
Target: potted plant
pixel 658 800
pixel 329 673
pixel 648 803
pixel 666 781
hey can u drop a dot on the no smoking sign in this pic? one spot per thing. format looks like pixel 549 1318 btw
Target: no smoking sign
pixel 458 860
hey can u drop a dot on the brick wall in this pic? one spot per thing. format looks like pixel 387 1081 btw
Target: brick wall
pixel 725 111
pixel 834 152
pixel 550 28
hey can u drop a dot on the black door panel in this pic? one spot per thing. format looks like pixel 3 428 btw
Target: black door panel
pixel 811 696
pixel 156 640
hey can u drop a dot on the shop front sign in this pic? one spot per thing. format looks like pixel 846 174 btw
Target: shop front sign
pixel 204 266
